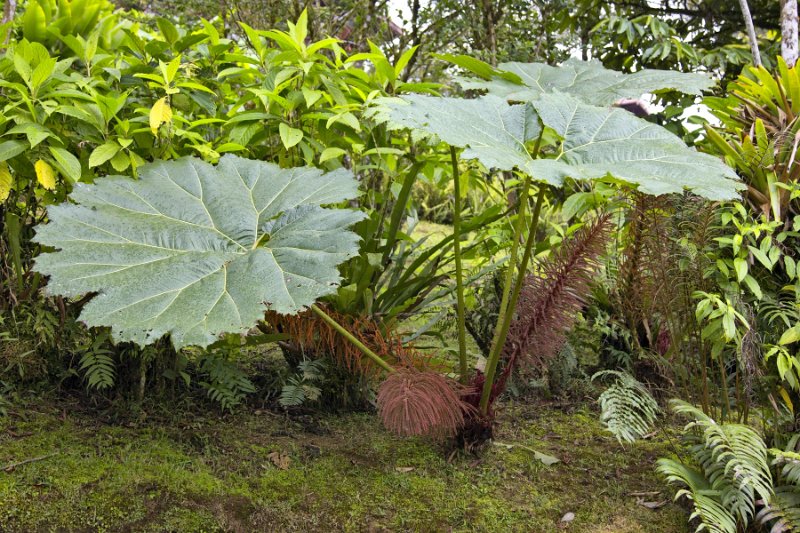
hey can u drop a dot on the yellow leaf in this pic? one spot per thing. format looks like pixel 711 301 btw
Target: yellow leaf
pixel 45 174
pixel 160 113
pixel 5 183
pixel 786 399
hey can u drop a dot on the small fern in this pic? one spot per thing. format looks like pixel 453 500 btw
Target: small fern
pixel 98 368
pixel 304 385
pixel 227 384
pixel 708 509
pixel 627 408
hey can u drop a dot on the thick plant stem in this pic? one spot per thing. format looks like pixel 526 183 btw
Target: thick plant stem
pixel 462 343
pixel 512 260
pixel 504 320
pixel 349 336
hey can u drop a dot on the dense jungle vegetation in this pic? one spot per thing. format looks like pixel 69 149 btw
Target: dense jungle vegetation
pixel 369 265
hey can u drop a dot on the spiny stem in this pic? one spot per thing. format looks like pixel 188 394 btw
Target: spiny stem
pixel 504 320
pixel 462 343
pixel 349 336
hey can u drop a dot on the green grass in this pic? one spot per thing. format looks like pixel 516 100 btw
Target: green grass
pixel 217 473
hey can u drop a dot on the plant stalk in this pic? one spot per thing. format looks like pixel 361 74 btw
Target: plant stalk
pixel 504 320
pixel 462 343
pixel 349 336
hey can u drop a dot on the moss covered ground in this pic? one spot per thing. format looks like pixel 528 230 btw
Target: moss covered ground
pixel 266 471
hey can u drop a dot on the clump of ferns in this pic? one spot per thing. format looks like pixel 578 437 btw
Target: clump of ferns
pixel 547 309
pixel 728 476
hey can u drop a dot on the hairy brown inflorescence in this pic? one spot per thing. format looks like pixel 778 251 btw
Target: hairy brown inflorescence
pixel 411 402
pixel 549 301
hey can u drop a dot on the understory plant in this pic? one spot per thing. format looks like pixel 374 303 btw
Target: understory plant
pixel 551 123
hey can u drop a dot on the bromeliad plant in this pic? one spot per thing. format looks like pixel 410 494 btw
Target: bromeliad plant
pixel 548 124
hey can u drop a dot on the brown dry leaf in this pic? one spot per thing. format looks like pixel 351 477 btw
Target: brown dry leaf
pixel 404 469
pixel 280 460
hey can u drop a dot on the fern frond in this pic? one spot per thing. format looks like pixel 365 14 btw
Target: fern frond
pixel 782 512
pixel 626 407
pixel 734 461
pixel 227 384
pixel 707 507
pixel 99 369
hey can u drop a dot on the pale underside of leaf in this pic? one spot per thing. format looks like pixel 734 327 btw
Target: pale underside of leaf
pixel 183 250
pixel 588 81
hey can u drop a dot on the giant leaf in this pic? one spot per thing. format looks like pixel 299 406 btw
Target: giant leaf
pixel 489 129
pixel 596 141
pixel 588 81
pixel 193 250
pixel 600 141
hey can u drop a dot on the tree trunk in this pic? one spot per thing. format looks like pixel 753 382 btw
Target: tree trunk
pixel 751 32
pixel 490 20
pixel 9 10
pixel 789 31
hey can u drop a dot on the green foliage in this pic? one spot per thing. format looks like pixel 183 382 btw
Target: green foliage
pixel 594 141
pixel 225 243
pixel 730 475
pixel 48 21
pixel 97 364
pixel 587 81
pixel 759 125
pixel 782 512
pixel 304 386
pixel 626 406
pixel 225 383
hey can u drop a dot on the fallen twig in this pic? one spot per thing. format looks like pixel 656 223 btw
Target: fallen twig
pixel 11 467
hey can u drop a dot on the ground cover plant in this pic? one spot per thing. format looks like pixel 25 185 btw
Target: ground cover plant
pixel 257 261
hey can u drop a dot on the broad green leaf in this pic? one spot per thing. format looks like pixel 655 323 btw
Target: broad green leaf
pixel 588 81
pixel 6 182
pixel 790 336
pixel 596 141
pixel 9 149
pixel 195 250
pixel 330 153
pixel 121 161
pixel 160 113
pixel 488 128
pixel 740 265
pixel 35 133
pixel 601 141
pixel 45 174
pixel 103 153
pixel 67 163
pixel 289 136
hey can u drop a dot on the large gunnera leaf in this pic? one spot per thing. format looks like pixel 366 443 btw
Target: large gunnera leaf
pixel 489 129
pixel 595 142
pixel 195 250
pixel 588 81
pixel 600 141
